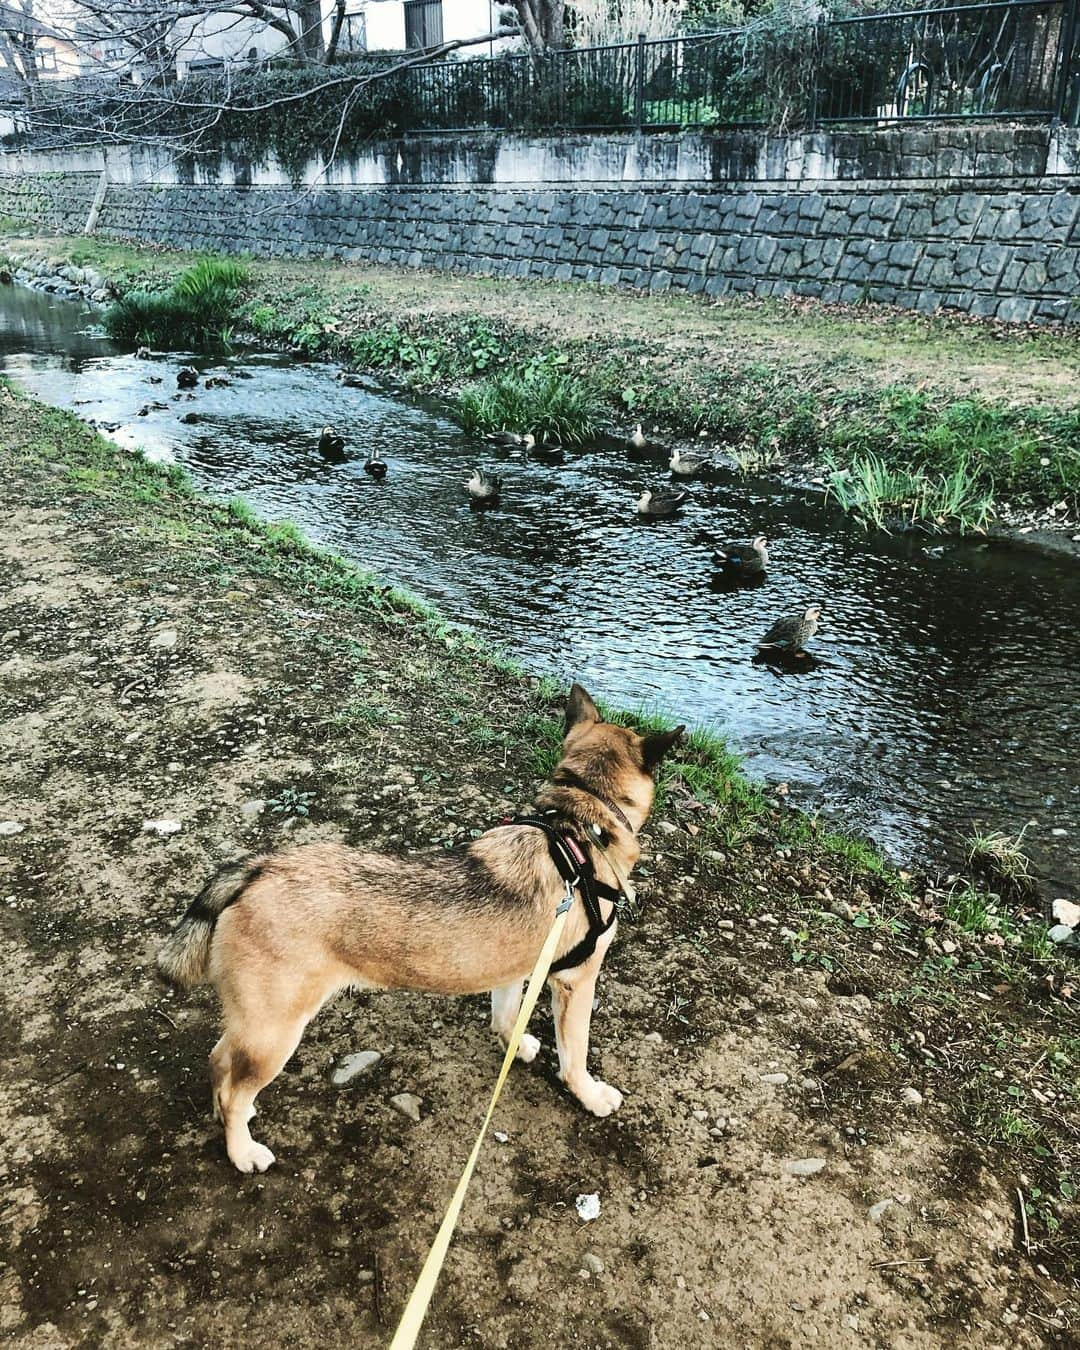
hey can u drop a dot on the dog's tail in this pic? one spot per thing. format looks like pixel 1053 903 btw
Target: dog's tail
pixel 185 958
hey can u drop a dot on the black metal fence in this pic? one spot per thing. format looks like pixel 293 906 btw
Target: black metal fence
pixel 1009 60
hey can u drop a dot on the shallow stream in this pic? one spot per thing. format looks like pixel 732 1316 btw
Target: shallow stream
pixel 944 687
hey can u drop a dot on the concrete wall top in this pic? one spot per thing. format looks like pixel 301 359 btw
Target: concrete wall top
pixel 897 153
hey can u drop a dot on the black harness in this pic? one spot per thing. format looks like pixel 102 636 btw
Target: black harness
pixel 575 867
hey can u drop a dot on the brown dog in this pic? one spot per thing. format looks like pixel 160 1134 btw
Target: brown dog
pixel 278 935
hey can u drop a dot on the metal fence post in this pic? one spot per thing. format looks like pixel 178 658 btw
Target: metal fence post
pixel 1065 58
pixel 816 54
pixel 639 81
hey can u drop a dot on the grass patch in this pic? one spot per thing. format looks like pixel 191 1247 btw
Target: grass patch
pixel 554 406
pixel 1001 857
pixel 198 310
pixel 883 495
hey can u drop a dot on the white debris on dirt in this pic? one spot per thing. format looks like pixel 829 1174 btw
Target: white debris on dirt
pixel 162 827
pixel 11 827
pixel 588 1207
pixel 804 1167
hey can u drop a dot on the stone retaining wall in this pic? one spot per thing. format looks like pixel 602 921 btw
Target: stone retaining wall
pixel 1006 245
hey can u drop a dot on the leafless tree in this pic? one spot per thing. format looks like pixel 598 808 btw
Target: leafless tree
pixel 19 31
pixel 543 22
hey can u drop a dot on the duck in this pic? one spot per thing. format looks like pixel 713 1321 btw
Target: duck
pixel 511 439
pixel 744 560
pixel 187 377
pixel 376 465
pixel 331 445
pixel 547 454
pixel 143 354
pixel 656 502
pixel 217 382
pixel 483 488
pixel 791 633
pixel 686 463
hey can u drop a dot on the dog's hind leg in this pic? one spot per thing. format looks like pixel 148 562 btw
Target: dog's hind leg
pixel 505 1005
pixel 246 1058
pixel 571 1003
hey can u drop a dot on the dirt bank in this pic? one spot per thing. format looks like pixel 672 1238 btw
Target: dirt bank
pixel 781 997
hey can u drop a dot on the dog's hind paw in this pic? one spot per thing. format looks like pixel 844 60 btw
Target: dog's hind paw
pixel 528 1049
pixel 599 1098
pixel 251 1157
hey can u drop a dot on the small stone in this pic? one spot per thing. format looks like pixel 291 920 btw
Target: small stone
pixel 162 827
pixel 654 1036
pixel 1060 933
pixel 841 909
pixel 1067 913
pixel 592 1263
pixel 11 827
pixel 700 1115
pixel 166 638
pixel 588 1207
pixel 499 1137
pixel 407 1104
pixel 948 946
pixel 726 925
pixel 250 809
pixel 352 1066
pixel 1058 832
pixel 804 1167
pixel 365 1277
pixel 776 1078
pixel 850 1321
pixel 912 1098
pixel 876 1212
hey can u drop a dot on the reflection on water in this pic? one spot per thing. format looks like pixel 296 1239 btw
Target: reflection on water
pixel 944 689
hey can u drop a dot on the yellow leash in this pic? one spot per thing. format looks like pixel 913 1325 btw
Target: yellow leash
pixel 413 1317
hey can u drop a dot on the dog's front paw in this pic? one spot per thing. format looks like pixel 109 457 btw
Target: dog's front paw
pixel 599 1098
pixel 251 1157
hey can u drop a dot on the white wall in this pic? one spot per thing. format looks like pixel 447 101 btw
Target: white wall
pixel 385 24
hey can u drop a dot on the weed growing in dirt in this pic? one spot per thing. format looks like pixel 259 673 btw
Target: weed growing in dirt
pixel 1002 858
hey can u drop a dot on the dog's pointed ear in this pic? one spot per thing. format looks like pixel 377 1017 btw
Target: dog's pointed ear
pixel 579 708
pixel 656 746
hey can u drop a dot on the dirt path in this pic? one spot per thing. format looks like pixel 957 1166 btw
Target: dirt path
pixel 146 675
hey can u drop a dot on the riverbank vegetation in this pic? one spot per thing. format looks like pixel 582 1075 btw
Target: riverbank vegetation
pixel 199 309
pixel 962 992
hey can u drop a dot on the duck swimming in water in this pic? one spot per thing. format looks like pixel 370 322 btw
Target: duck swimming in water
pixel 743 560
pixel 547 454
pixel 375 466
pixel 791 633
pixel 483 488
pixel 187 377
pixel 511 439
pixel 655 502
pixel 331 445
pixel 686 463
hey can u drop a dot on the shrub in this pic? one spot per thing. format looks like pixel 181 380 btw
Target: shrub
pixel 553 406
pixel 197 311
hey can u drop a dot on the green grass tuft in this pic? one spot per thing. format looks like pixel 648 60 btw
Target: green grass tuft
pixel 553 406
pixel 198 310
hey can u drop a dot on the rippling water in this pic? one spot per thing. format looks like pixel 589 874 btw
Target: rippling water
pixel 945 689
